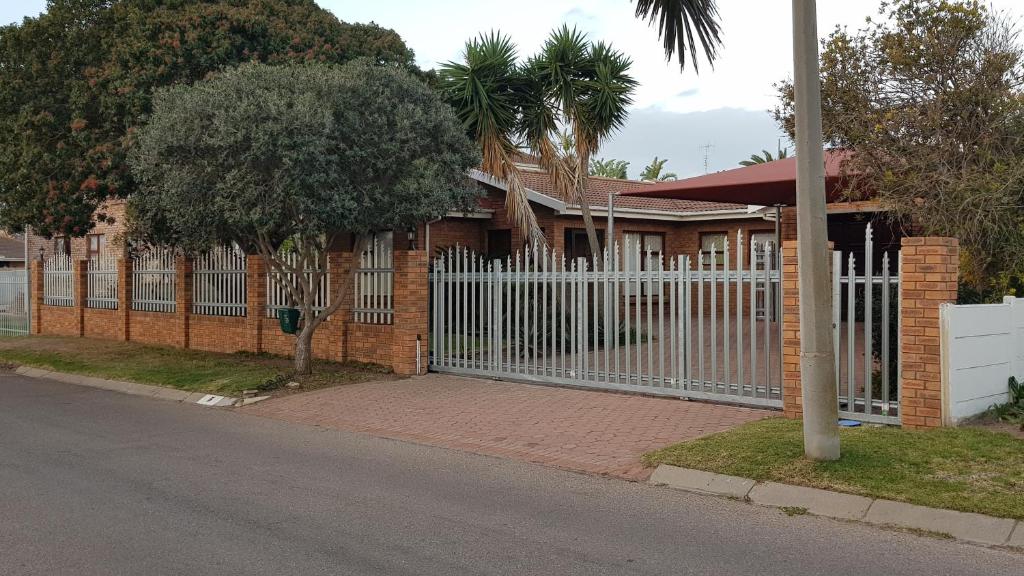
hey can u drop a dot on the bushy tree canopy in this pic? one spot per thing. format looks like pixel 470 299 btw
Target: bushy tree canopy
pixel 75 81
pixel 610 168
pixel 929 101
pixel 266 156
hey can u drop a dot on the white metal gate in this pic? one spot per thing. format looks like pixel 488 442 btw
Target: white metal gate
pixel 698 328
pixel 14 302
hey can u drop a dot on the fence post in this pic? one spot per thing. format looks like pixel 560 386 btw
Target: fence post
pixel 124 299
pixel 929 268
pixel 255 301
pixel 792 394
pixel 36 289
pixel 345 261
pixel 337 325
pixel 183 298
pixel 80 271
pixel 411 291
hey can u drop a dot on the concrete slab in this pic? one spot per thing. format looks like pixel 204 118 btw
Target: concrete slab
pixel 1017 538
pixel 819 502
pixel 700 481
pixel 962 525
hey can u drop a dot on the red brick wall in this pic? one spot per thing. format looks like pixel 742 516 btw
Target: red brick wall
pixel 100 323
pixel 219 334
pixel 792 396
pixel 327 340
pixel 928 278
pixel 369 343
pixel 58 320
pixel 158 328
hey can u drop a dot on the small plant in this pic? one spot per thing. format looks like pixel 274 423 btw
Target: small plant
pixel 1012 411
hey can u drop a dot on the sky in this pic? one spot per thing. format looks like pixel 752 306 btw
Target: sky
pixel 706 121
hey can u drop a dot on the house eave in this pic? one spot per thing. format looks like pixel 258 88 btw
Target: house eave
pixel 531 195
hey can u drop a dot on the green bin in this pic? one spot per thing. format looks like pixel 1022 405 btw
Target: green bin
pixel 289 318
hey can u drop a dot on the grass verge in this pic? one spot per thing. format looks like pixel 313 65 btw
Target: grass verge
pixel 964 469
pixel 192 370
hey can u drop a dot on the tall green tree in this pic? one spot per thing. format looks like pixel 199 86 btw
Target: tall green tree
pixel 297 156
pixel 653 171
pixel 610 168
pixel 75 82
pixel 929 100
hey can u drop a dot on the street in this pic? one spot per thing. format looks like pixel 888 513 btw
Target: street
pixel 95 482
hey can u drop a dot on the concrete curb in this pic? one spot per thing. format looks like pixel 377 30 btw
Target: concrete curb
pixel 976 528
pixel 133 388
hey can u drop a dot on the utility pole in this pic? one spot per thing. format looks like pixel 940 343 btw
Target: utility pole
pixel 817 359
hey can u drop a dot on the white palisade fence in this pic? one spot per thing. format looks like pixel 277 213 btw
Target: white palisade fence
pixel 278 296
pixel 13 302
pixel 865 335
pixel 101 276
pixel 154 281
pixel 58 281
pixel 219 282
pixel 698 328
pixel 374 285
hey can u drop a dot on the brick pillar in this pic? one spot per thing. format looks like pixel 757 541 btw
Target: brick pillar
pixel 338 270
pixel 344 313
pixel 81 289
pixel 928 278
pixel 255 302
pixel 792 395
pixel 411 292
pixel 183 299
pixel 36 289
pixel 124 299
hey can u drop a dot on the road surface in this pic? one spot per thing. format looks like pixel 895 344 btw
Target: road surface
pixel 95 482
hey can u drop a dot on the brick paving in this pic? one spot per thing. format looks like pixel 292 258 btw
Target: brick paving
pixel 583 430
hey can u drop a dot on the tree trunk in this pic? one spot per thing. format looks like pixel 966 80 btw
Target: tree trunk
pixel 588 223
pixel 304 350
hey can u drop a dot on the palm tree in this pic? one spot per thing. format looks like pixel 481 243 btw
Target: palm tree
pixel 572 94
pixel 652 173
pixel 682 24
pixel 766 157
pixel 610 168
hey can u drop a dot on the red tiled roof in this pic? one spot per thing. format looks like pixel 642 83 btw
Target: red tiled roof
pixel 12 249
pixel 599 187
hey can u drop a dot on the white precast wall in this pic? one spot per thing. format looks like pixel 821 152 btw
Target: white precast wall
pixel 982 347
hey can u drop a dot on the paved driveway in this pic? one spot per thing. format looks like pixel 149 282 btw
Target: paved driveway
pixel 589 431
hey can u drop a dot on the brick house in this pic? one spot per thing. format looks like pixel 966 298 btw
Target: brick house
pixel 12 251
pixel 106 238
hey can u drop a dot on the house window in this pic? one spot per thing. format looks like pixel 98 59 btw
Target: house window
pixel 499 244
pixel 95 245
pixel 713 242
pixel 577 245
pixel 61 245
pixel 651 244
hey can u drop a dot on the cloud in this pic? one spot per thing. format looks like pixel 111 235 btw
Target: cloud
pixel 730 134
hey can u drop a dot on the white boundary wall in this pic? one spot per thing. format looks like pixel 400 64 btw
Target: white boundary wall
pixel 982 346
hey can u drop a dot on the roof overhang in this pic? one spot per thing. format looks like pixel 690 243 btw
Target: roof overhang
pixel 531 195
pixel 769 184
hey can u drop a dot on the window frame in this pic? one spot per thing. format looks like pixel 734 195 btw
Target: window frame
pixel 719 260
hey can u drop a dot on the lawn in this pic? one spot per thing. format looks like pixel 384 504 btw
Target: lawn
pixel 226 374
pixel 965 469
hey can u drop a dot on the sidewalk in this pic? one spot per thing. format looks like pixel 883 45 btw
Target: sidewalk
pixel 583 430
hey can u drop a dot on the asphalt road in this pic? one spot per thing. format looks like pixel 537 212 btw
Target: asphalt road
pixel 95 482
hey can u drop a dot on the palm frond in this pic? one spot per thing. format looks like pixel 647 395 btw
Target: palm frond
pixel 682 24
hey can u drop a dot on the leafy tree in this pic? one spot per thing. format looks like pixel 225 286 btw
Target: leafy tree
pixel 929 101
pixel 571 84
pixel 298 156
pixel 610 168
pixel 652 172
pixel 75 81
pixel 765 157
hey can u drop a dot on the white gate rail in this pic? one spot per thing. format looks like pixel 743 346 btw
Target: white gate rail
pixel 58 281
pixel 13 302
pixel 688 329
pixel 865 335
pixel 154 281
pixel 374 285
pixel 101 280
pixel 219 282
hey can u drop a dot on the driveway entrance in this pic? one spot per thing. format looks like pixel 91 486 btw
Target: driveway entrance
pixel 583 430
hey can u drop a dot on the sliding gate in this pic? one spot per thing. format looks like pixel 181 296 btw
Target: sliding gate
pixel 14 302
pixel 708 327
